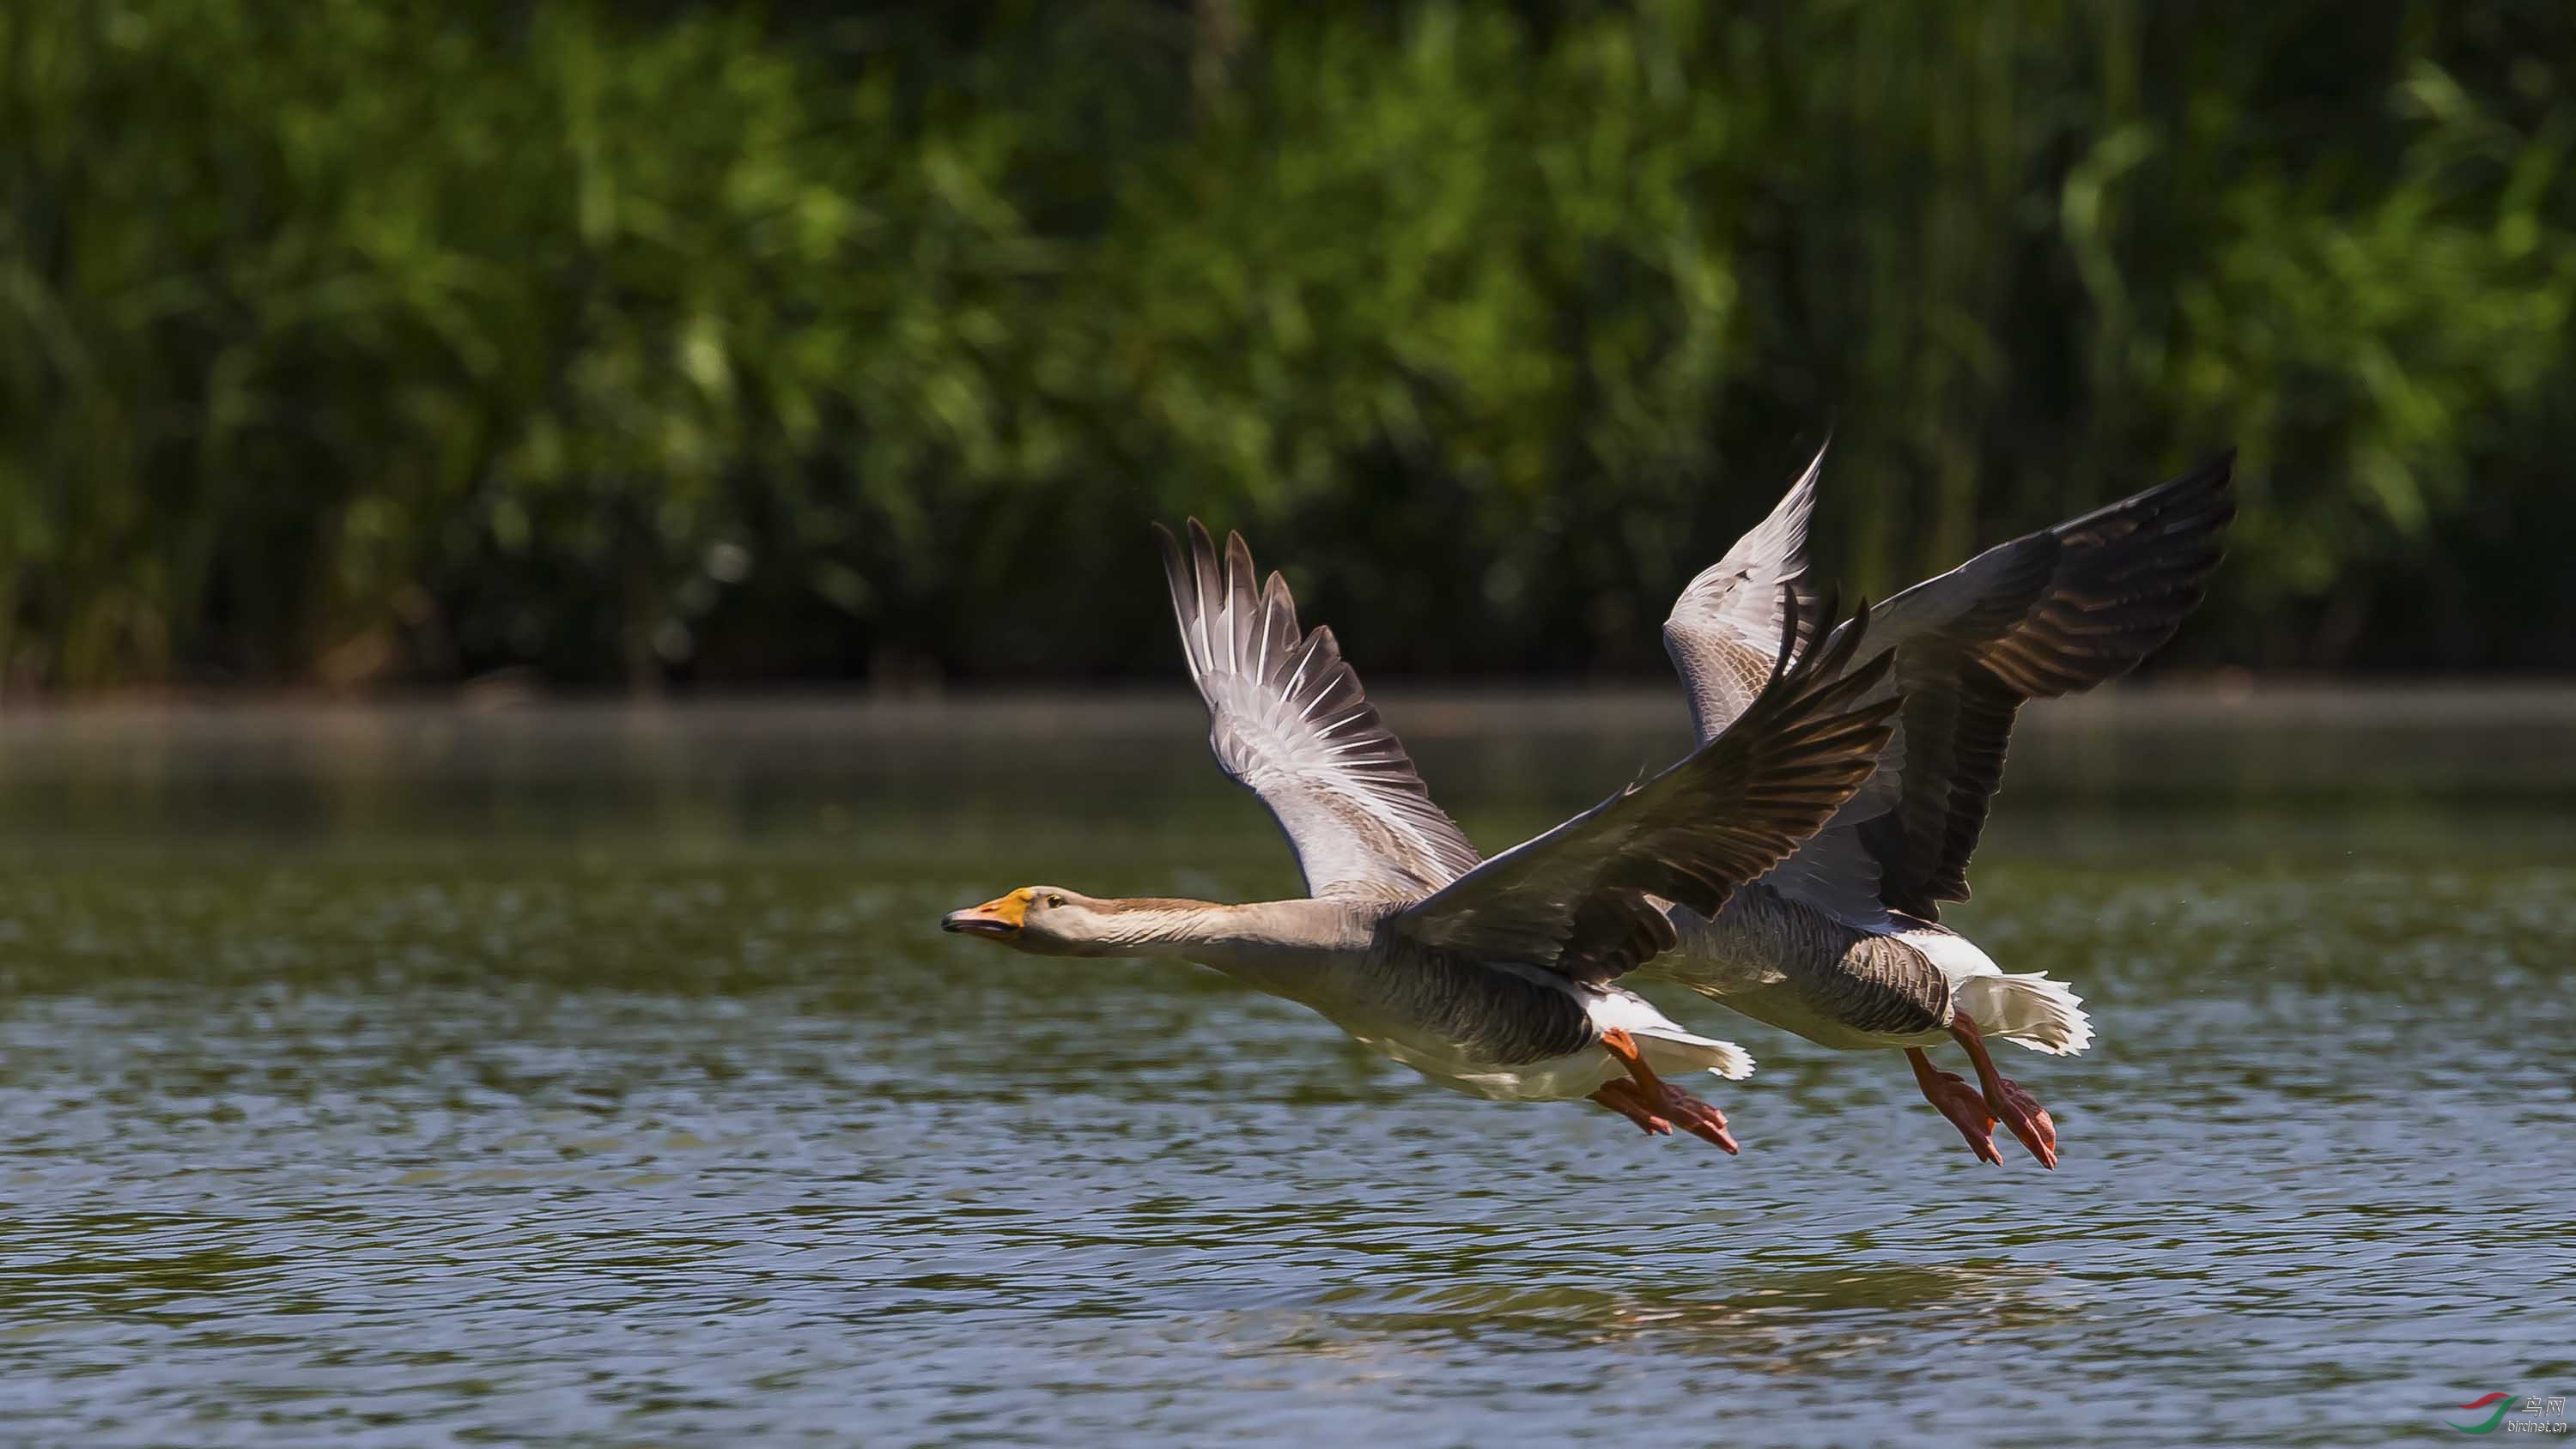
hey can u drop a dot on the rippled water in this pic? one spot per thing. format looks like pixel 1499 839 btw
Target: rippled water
pixel 412 1077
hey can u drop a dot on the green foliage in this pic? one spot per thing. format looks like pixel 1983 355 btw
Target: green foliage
pixel 382 341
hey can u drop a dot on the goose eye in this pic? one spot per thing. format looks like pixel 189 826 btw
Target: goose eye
pixel 1055 900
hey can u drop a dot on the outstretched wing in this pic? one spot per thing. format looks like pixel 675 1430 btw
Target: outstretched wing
pixel 1587 899
pixel 1724 631
pixel 2049 614
pixel 1287 719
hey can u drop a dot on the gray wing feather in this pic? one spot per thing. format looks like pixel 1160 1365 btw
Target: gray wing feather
pixel 2048 614
pixel 1724 630
pixel 1287 720
pixel 1587 899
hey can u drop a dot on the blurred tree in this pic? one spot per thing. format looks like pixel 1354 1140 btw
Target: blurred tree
pixel 371 341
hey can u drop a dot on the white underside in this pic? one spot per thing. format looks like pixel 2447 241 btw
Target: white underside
pixel 2027 1009
pixel 1667 1046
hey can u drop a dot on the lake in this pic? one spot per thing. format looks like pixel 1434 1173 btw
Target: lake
pixel 418 1074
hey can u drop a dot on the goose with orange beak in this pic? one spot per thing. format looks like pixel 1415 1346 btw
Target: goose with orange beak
pixel 1497 978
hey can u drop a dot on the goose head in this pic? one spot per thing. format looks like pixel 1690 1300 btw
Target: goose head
pixel 1052 921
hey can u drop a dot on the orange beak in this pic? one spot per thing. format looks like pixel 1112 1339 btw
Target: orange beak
pixel 1001 917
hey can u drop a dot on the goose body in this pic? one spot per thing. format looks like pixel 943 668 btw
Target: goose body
pixel 1841 942
pixel 1791 965
pixel 1496 977
pixel 1538 1041
pixel 1488 1029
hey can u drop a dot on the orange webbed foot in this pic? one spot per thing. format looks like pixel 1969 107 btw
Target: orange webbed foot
pixel 1699 1119
pixel 1961 1103
pixel 2029 1121
pixel 1621 1097
pixel 1655 1104
pixel 2005 1098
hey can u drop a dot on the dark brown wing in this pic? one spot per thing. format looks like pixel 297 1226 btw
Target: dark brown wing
pixel 2059 611
pixel 1582 900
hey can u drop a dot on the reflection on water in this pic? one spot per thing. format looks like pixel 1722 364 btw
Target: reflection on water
pixel 400 1077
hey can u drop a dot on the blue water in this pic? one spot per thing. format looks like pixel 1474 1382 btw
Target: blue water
pixel 599 1078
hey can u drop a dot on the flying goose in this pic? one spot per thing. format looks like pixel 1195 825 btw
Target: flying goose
pixel 1496 978
pixel 1842 942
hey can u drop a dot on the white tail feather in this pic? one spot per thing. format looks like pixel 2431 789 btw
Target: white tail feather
pixel 1668 1045
pixel 2027 1009
pixel 1723 1058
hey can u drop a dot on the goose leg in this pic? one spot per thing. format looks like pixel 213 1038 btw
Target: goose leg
pixel 1664 1100
pixel 1959 1102
pixel 1621 1097
pixel 2016 1108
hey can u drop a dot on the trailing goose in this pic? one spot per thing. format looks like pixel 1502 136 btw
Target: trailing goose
pixel 1497 979
pixel 1842 943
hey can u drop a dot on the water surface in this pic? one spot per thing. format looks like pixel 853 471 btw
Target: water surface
pixel 415 1076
